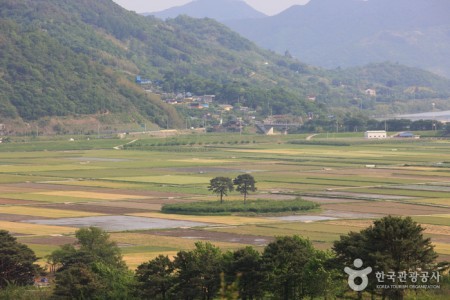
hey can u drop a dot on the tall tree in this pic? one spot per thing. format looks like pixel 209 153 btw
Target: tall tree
pixel 391 244
pixel 96 242
pixel 221 186
pixel 284 261
pixel 244 267
pixel 245 183
pixel 155 278
pixel 17 262
pixel 93 270
pixel 199 272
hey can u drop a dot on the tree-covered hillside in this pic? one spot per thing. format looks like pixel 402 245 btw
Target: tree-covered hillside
pixel 54 64
pixel 65 58
pixel 60 57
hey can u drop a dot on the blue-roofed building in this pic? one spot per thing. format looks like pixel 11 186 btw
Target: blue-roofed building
pixel 407 135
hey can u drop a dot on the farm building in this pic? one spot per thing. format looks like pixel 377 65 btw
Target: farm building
pixel 379 134
pixel 407 135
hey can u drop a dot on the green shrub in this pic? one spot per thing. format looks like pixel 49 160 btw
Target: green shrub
pixel 319 143
pixel 230 207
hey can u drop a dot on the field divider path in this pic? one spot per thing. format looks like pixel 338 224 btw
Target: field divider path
pixel 308 138
pixel 121 146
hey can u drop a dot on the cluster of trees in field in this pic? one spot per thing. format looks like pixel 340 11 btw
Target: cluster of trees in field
pixel 289 267
pixel 244 183
pixel 360 123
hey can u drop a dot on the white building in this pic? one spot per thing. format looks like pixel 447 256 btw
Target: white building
pixel 379 134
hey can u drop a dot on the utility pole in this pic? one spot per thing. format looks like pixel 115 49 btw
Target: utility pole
pixel 434 117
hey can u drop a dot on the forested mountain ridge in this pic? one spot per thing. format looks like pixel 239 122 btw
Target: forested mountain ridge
pixel 53 63
pixel 60 57
pixel 63 57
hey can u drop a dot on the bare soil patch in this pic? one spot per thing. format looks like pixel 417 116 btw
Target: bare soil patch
pixel 119 223
pixel 11 188
pixel 31 187
pixel 422 177
pixel 4 201
pixel 374 172
pixel 439 234
pixel 202 170
pixel 328 200
pixel 443 257
pixel 349 214
pixel 272 197
pixel 168 200
pixel 387 208
pixel 16 218
pixel 43 187
pixel 152 206
pixel 370 196
pixel 214 236
pixel 109 210
pixel 50 240
pixel 440 239
pixel 436 229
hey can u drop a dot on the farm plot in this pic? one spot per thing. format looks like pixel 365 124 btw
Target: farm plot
pixel 405 193
pixel 42 197
pixel 118 185
pixel 44 212
pixel 433 219
pixel 118 223
pixel 386 208
pixel 445 202
pixel 166 179
pixel 321 239
pixel 143 246
pixel 35 229
pixel 226 220
pixel 215 236
pixel 92 195
pixel 100 209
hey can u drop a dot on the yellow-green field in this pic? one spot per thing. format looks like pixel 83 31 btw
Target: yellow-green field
pixel 354 185
pixel 34 229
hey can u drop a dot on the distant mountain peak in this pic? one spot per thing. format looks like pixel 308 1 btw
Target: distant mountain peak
pixel 332 33
pixel 221 10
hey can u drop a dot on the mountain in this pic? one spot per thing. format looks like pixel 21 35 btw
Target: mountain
pixel 65 59
pixel 221 10
pixel 333 33
pixel 61 59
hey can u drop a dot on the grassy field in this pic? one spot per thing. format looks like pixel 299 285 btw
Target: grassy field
pixel 354 180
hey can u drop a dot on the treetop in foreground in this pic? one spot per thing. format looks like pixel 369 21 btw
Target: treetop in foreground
pixel 391 244
pixel 17 262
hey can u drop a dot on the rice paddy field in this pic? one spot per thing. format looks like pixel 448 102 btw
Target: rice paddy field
pixel 50 187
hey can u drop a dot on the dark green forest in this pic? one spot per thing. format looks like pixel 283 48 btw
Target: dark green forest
pixel 63 58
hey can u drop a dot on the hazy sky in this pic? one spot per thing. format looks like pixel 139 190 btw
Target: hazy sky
pixel 269 7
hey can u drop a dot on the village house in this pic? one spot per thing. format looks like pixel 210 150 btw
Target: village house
pixel 378 134
pixel 226 107
pixel 371 92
